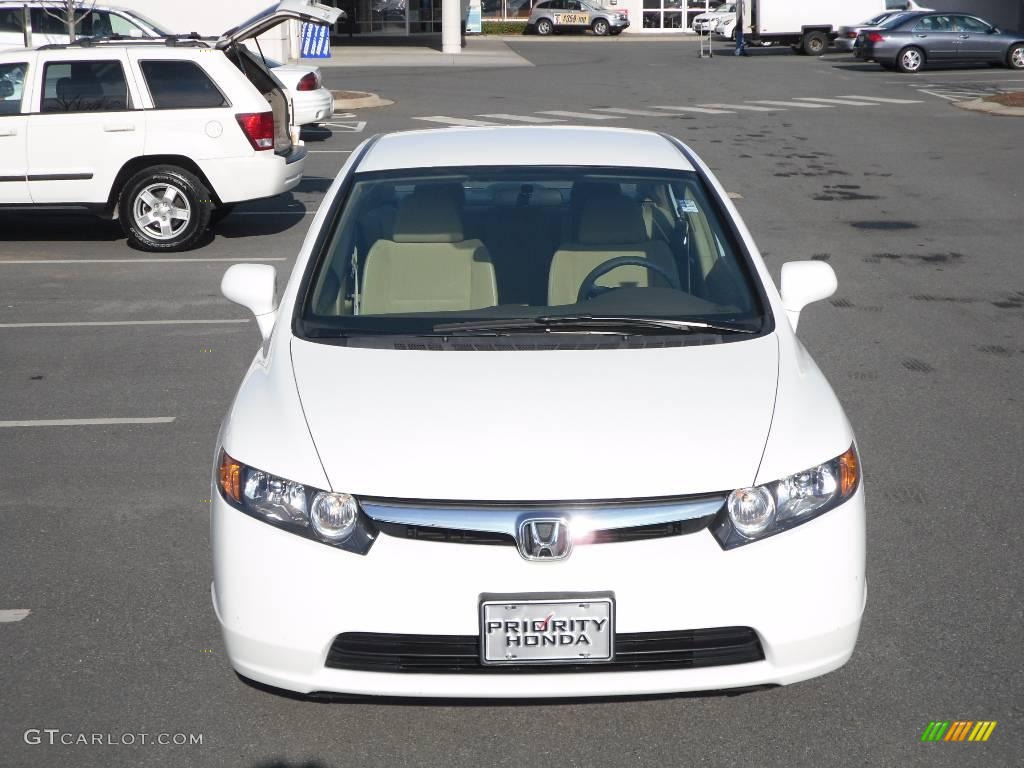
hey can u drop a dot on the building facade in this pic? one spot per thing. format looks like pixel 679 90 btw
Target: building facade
pixel 401 18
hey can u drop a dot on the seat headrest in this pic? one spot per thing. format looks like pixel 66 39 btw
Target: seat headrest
pixel 430 215
pixel 612 221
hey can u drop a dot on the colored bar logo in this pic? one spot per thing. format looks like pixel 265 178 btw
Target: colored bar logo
pixel 958 730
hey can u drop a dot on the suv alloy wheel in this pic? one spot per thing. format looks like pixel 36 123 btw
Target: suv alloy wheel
pixel 164 208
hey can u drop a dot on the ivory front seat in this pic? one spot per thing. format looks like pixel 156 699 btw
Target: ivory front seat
pixel 609 227
pixel 427 266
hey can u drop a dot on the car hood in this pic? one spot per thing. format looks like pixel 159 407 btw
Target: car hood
pixel 538 425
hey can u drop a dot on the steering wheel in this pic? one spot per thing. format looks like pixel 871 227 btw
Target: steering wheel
pixel 589 287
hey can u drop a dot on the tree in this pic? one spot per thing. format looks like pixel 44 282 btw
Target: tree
pixel 69 12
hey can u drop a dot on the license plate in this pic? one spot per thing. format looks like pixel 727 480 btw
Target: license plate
pixel 539 630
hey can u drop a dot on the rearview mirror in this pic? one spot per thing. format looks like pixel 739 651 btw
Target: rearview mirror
pixel 254 286
pixel 804 282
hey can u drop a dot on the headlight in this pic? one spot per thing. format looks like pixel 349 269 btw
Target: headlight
pixel 330 518
pixel 756 513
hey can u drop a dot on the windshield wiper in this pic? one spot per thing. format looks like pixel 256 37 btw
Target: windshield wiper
pixel 597 324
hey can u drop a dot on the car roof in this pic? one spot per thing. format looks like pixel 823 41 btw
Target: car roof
pixel 523 146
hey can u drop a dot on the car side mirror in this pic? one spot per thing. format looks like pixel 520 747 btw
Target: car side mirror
pixel 254 286
pixel 804 282
pixel 993 30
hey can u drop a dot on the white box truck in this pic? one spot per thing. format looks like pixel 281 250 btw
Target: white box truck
pixel 807 25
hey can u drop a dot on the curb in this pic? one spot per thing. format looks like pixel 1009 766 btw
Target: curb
pixel 989 107
pixel 358 100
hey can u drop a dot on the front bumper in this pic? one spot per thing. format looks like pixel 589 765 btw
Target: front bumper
pixel 281 600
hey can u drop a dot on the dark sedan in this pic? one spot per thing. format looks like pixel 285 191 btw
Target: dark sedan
pixel 912 41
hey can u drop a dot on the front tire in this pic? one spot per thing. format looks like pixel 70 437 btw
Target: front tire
pixel 1015 57
pixel 910 60
pixel 600 27
pixel 815 43
pixel 545 27
pixel 164 208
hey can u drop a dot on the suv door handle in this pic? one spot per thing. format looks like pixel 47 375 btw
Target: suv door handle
pixel 8 131
pixel 119 127
pixel 964 37
pixel 919 35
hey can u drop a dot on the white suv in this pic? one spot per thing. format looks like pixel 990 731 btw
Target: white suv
pixel 162 135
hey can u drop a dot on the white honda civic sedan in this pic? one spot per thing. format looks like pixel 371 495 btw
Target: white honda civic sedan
pixel 534 426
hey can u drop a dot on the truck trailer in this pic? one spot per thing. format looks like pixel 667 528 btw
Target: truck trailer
pixel 807 25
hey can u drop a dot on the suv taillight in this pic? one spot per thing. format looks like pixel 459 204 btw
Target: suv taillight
pixel 309 82
pixel 258 128
pixel 875 37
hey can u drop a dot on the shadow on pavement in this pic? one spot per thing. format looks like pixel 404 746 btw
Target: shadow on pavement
pixel 64 227
pixel 315 133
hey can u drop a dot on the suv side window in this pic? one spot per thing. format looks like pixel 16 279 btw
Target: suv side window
pixel 12 87
pixel 12 21
pixel 181 85
pixel 573 5
pixel 44 23
pixel 84 86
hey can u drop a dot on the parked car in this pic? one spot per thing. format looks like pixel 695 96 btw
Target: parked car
pixel 311 101
pixel 847 37
pixel 162 135
pixel 46 27
pixel 552 15
pixel 911 42
pixel 705 22
pixel 575 449
pixel 725 27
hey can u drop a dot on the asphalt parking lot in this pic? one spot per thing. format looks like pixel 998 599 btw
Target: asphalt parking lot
pixel 915 203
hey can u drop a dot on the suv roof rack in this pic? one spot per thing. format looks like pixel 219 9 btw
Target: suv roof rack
pixel 192 39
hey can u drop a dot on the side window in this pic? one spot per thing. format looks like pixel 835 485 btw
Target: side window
pixel 181 85
pixel 934 24
pixel 47 21
pixel 12 22
pixel 573 5
pixel 970 24
pixel 12 87
pixel 84 86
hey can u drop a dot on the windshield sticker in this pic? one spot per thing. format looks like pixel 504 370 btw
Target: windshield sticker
pixel 688 206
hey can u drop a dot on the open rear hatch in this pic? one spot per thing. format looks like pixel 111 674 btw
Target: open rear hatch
pixel 253 67
pixel 267 19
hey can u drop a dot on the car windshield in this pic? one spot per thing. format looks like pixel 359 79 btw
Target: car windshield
pixel 417 249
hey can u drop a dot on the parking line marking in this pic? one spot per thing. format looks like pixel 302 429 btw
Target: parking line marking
pixel 637 112
pixel 885 101
pixel 115 323
pixel 523 118
pixel 10 615
pixel 84 422
pixel 799 104
pixel 455 121
pixel 702 110
pixel 844 102
pixel 578 115
pixel 745 107
pixel 142 261
pixel 330 151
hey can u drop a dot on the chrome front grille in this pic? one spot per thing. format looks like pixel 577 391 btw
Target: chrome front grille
pixel 497 523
